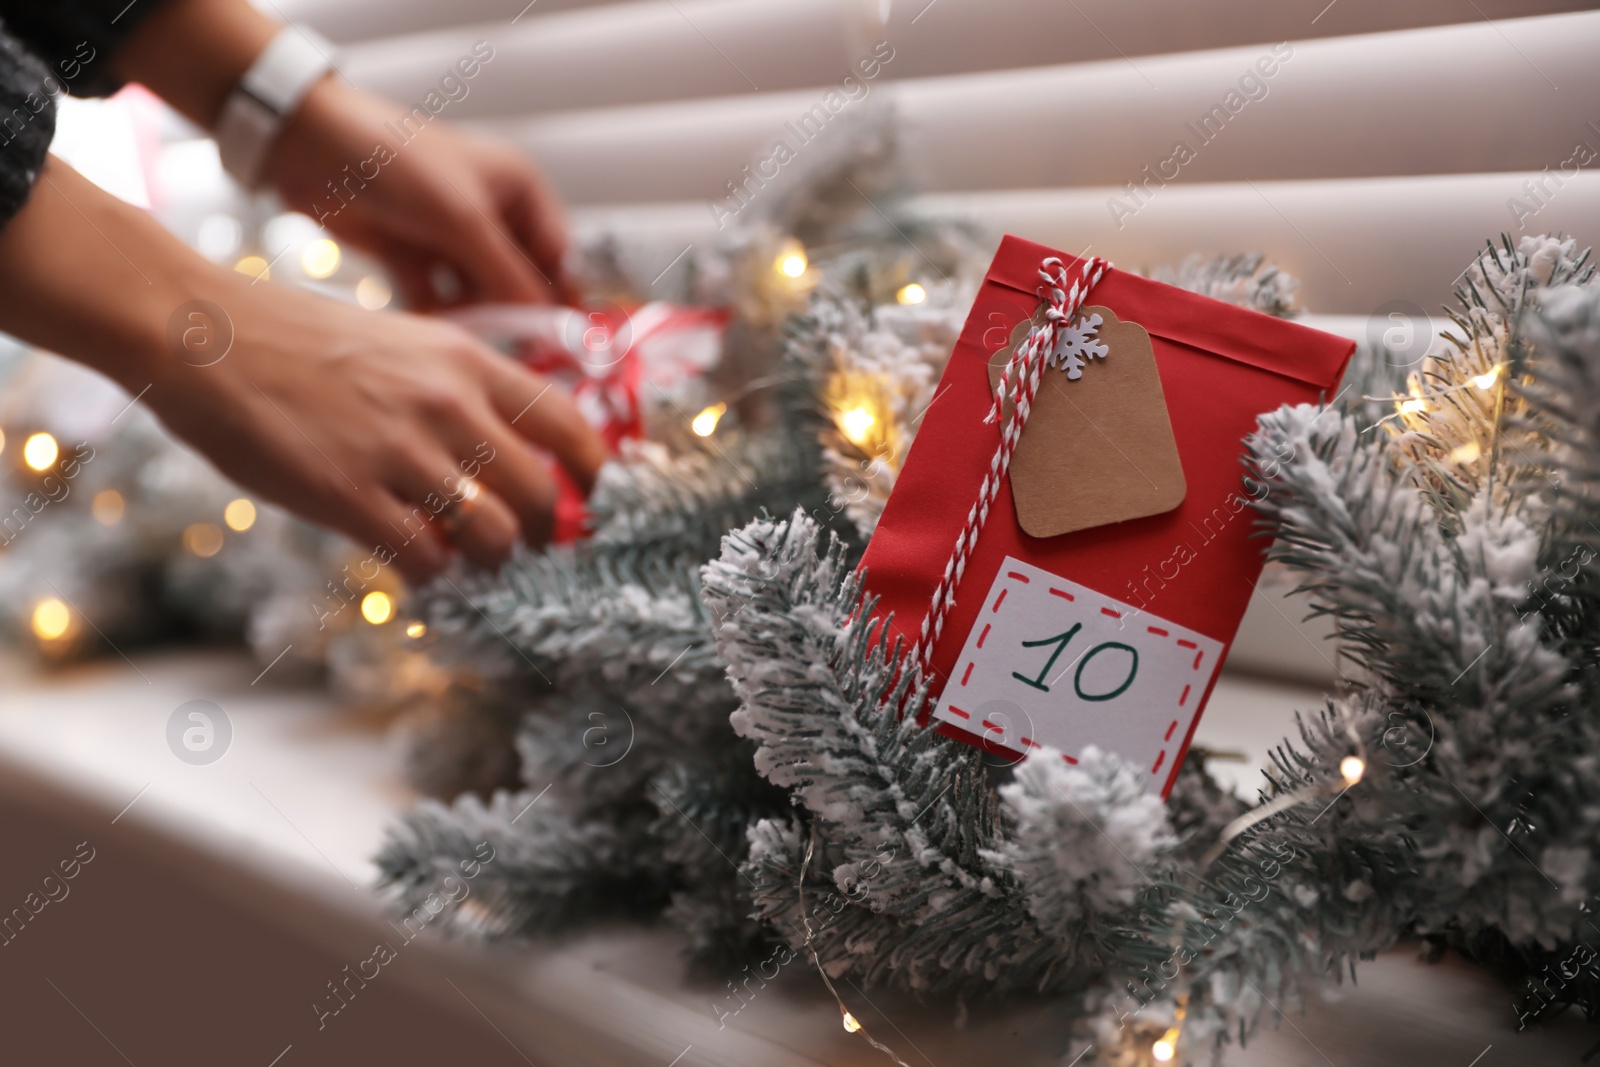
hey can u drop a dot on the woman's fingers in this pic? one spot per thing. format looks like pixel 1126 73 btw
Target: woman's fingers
pixel 385 525
pixel 495 267
pixel 413 273
pixel 482 527
pixel 442 502
pixel 544 414
pixel 504 464
pixel 533 216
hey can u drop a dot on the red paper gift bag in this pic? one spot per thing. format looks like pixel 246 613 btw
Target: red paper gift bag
pixel 1111 635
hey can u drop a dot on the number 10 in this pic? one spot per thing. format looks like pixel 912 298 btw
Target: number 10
pixel 1061 641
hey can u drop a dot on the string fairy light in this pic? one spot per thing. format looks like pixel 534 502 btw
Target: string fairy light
pixel 861 409
pixel 256 267
pixel 40 451
pixel 373 293
pixel 705 423
pixel 377 607
pixel 204 539
pixel 1488 378
pixel 857 423
pixel 791 260
pixel 1166 1045
pixel 240 515
pixel 1352 768
pixel 911 293
pixel 320 258
pixel 1418 402
pixel 416 628
pixel 851 1024
pixel 52 619
pixel 107 507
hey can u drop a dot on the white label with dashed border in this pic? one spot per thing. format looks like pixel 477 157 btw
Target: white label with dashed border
pixel 1052 662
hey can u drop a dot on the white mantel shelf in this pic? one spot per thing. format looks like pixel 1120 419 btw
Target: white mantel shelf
pixel 284 825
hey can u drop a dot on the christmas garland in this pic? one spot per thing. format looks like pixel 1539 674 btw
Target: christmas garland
pixel 1449 541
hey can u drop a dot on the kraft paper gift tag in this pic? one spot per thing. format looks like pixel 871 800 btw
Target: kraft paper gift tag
pixel 1098 448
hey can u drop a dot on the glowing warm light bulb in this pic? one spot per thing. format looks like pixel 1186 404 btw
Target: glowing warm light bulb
pixel 1413 406
pixel 254 266
pixel 40 451
pixel 857 423
pixel 51 619
pixel 204 539
pixel 1487 379
pixel 1467 453
pixel 240 515
pixel 850 1023
pixel 1352 767
pixel 791 261
pixel 377 607
pixel 319 258
pixel 416 629
pixel 1164 1050
pixel 107 507
pixel 705 423
pixel 372 293
pixel 911 294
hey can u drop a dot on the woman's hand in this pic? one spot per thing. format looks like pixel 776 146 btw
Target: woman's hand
pixel 422 196
pixel 349 418
pixel 369 422
pixel 417 194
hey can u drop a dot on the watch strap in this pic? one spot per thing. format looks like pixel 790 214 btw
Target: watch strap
pixel 266 96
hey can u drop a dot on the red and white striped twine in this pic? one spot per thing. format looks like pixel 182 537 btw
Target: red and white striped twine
pixel 1019 382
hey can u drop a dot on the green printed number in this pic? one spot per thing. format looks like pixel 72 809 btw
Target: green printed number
pixel 1061 641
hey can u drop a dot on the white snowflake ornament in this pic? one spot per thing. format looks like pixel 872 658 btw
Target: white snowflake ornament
pixel 1075 343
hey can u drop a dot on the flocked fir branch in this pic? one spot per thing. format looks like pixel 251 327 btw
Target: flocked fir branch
pixel 1247 279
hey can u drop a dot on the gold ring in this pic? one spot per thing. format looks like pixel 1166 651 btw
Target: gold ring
pixel 459 512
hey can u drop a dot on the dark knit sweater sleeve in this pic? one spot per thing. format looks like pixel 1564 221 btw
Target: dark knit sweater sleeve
pixel 77 38
pixel 48 49
pixel 27 122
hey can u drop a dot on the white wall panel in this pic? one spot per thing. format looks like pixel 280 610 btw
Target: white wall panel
pixel 628 53
pixel 355 20
pixel 1517 95
pixel 951 36
pixel 1355 245
pixel 955 36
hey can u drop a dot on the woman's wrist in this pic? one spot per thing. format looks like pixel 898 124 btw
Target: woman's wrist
pixel 193 53
pixel 99 281
pixel 270 94
pixel 311 150
pixel 188 323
